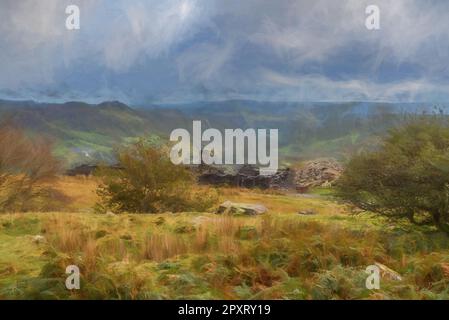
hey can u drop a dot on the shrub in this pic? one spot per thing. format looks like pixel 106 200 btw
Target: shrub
pixel 148 182
pixel 26 165
pixel 407 177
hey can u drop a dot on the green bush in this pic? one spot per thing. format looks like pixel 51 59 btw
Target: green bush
pixel 146 181
pixel 407 177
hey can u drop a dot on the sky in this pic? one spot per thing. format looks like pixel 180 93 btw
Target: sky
pixel 173 51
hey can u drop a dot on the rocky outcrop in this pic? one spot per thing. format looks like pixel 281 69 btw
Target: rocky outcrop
pixel 317 173
pixel 229 207
pixel 245 177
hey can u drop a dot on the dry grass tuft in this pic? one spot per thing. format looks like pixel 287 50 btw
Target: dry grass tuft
pixel 66 233
pixel 159 247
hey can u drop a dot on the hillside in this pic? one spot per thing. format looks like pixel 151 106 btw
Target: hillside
pixel 201 255
pixel 86 133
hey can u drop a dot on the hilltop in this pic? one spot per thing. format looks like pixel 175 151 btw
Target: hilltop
pixel 86 133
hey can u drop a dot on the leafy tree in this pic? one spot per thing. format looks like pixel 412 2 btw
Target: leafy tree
pixel 406 177
pixel 26 167
pixel 146 181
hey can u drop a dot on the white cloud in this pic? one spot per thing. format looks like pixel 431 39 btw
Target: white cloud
pixel 222 46
pixel 203 63
pixel 34 42
pixel 314 31
pixel 320 88
pixel 149 29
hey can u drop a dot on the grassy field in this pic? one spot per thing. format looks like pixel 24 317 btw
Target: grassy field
pixel 200 255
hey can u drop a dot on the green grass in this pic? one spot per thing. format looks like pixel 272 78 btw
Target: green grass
pixel 321 191
pixel 281 255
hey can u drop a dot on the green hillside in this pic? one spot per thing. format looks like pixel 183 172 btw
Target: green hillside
pixel 85 133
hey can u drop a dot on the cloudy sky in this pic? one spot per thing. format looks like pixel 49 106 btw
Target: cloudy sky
pixel 153 51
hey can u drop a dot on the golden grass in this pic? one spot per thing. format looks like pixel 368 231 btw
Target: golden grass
pixel 283 203
pixel 233 256
pixel 65 232
pixel 159 247
pixel 80 190
pixel 73 232
pixel 224 226
pixel 202 237
pixel 283 252
pixel 90 254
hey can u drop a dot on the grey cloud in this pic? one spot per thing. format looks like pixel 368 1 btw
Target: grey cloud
pixel 203 44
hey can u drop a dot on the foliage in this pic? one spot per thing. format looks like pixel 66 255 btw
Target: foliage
pixel 289 256
pixel 25 166
pixel 146 181
pixel 407 177
pixel 87 133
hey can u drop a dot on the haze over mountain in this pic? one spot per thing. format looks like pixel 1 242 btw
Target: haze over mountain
pixel 86 133
pixel 249 62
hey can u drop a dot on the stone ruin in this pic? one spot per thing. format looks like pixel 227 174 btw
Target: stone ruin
pixel 317 173
pixel 246 176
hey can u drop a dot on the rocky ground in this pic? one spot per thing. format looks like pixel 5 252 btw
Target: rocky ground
pixel 311 174
pixel 317 173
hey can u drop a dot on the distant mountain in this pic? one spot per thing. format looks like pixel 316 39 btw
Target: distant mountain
pixel 86 133
pixel 309 130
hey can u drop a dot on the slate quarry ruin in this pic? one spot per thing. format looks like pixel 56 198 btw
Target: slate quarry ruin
pixel 246 176
pixel 311 174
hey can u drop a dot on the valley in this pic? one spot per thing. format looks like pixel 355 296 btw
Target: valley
pixel 84 133
pixel 144 230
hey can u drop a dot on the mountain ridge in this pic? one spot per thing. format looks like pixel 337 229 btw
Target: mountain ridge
pixel 86 132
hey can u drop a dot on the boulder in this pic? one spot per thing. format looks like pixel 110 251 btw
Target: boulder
pixel 241 208
pixel 309 212
pixel 39 239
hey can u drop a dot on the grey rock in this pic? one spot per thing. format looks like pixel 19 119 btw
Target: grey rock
pixel 309 212
pixel 246 176
pixel 241 208
pixel 39 239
